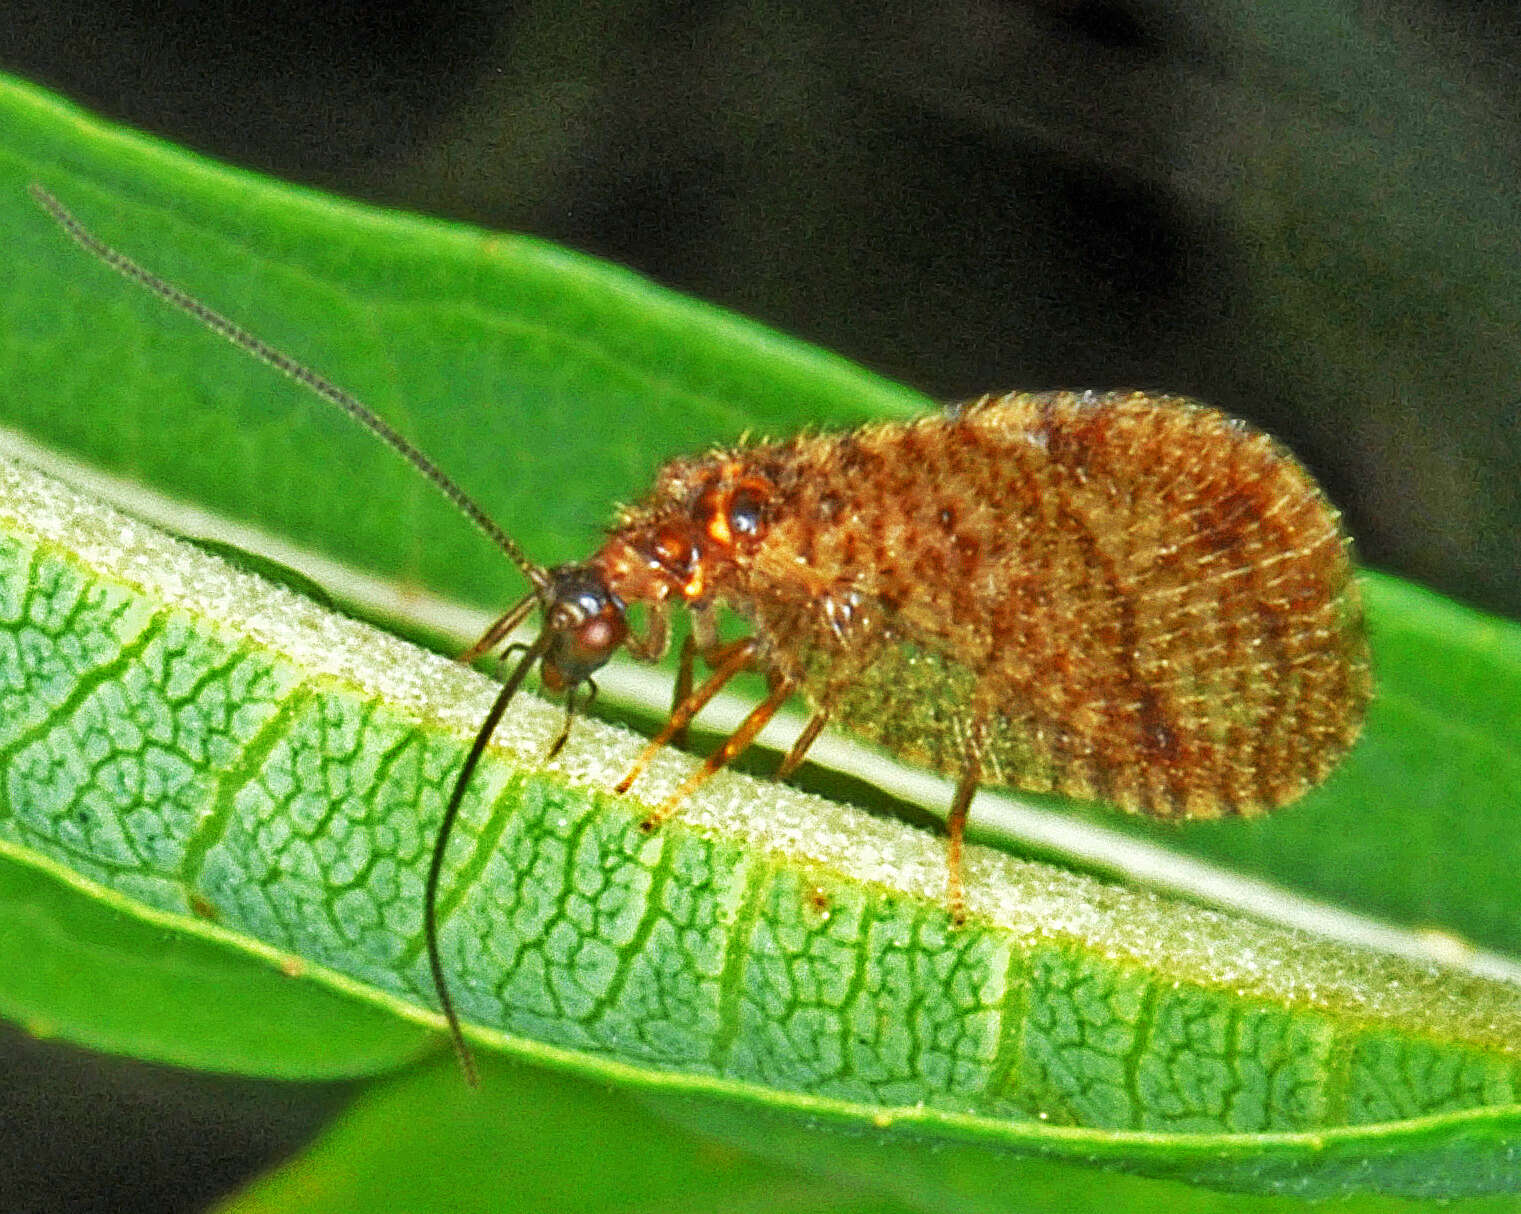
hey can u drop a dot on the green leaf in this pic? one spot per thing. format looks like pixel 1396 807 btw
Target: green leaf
pixel 801 963
pixel 234 762
pixel 105 973
pixel 415 1144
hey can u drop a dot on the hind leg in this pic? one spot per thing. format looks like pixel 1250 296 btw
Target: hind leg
pixel 955 823
pixel 800 747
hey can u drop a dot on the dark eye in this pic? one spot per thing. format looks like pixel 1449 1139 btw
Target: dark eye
pixel 745 513
pixel 576 606
pixel 590 604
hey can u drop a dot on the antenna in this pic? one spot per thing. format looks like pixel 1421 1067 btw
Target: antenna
pixel 531 654
pixel 307 378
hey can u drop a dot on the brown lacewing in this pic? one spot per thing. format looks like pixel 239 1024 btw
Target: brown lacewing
pixel 1120 596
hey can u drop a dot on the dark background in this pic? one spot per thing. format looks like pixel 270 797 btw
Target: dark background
pixel 1309 219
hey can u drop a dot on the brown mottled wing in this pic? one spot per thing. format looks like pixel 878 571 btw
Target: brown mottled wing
pixel 1136 598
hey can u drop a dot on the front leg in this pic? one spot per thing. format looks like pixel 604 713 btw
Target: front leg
pixel 652 646
pixel 703 639
pixel 500 630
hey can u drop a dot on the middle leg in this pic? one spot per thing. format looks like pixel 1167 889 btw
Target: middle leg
pixel 735 744
pixel 955 823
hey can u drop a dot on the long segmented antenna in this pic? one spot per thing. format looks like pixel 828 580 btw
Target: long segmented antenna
pixel 307 378
pixel 359 412
pixel 440 845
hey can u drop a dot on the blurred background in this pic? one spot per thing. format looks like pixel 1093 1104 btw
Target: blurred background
pixel 1305 213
